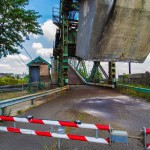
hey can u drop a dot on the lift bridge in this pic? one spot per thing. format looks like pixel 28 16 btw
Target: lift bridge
pixel 101 31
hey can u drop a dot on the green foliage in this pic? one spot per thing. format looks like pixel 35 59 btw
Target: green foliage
pixel 83 73
pixel 98 76
pixel 125 76
pixel 16 23
pixel 19 112
pixel 134 93
pixel 11 80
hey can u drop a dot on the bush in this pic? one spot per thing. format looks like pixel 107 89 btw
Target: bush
pixel 9 80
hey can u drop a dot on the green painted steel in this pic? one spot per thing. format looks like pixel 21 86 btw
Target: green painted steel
pixel 39 60
pixel 112 73
pixel 65 39
pixel 81 68
pixel 144 90
pixel 96 75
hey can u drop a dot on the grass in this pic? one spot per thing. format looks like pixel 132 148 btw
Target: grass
pixel 52 147
pixel 81 116
pixel 134 93
pixel 9 95
pixel 135 85
pixel 19 112
pixel 67 130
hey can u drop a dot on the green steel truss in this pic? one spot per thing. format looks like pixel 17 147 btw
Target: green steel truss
pixel 65 44
pixel 96 75
pixel 112 73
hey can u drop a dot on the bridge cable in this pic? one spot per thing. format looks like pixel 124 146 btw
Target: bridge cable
pixel 22 60
pixel 27 52
pixel 19 62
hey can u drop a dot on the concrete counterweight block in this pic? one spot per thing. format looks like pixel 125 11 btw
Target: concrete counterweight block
pixel 111 30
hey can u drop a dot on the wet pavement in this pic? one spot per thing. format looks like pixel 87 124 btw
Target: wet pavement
pixel 121 111
pixel 91 105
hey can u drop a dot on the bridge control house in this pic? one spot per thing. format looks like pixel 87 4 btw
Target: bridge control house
pixel 39 70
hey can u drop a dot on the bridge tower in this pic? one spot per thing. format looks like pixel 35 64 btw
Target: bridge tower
pixel 66 19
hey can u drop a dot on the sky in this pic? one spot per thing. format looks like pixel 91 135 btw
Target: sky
pixel 43 45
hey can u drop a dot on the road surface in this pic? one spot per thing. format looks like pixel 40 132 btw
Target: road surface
pixel 91 105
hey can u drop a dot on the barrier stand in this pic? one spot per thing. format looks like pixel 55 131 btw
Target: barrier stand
pixel 96 133
pixel 14 124
pixel 51 128
pixel 146 133
pixel 61 130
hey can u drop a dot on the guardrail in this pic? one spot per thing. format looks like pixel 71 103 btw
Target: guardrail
pixel 13 88
pixel 144 90
pixel 31 97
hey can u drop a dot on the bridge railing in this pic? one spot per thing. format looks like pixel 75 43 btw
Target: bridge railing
pixel 102 83
pixel 32 97
pixel 143 90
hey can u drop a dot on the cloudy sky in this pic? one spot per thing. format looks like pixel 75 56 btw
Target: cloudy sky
pixel 43 45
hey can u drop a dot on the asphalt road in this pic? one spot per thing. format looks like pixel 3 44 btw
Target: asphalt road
pixel 91 105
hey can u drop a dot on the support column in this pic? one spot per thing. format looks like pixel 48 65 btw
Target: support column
pixel 112 73
pixel 129 67
pixel 95 74
pixel 63 61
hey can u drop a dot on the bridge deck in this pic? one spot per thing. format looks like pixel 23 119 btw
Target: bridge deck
pixel 91 105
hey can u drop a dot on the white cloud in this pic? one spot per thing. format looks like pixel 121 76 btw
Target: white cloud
pixel 40 50
pixel 33 36
pixel 23 57
pixel 13 64
pixel 44 51
pixel 138 68
pixel 122 67
pixel 4 65
pixel 49 30
pixel 37 46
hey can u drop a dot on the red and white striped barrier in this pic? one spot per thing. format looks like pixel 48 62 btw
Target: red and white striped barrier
pixel 57 123
pixel 148 131
pixel 148 146
pixel 55 135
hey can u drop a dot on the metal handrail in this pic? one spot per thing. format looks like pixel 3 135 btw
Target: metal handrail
pixel 89 83
pixel 13 101
pixel 144 90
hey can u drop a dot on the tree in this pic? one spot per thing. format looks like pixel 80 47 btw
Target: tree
pixel 16 23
